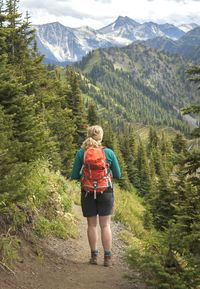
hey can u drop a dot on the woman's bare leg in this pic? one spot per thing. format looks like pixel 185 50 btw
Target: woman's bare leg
pixel 92 232
pixel 106 234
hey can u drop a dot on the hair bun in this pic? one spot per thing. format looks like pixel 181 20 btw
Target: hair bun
pixel 96 132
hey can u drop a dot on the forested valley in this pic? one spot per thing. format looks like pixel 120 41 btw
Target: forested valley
pixel 44 114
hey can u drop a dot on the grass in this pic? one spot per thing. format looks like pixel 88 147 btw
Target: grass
pixel 129 211
pixel 62 228
pixel 9 246
pixel 143 245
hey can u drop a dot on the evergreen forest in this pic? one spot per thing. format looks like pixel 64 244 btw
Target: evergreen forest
pixel 138 85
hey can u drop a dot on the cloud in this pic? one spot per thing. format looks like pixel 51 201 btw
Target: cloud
pixel 98 13
pixel 104 1
pixel 179 1
pixel 55 8
pixel 93 9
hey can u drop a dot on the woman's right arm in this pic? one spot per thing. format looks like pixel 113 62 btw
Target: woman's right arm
pixel 115 168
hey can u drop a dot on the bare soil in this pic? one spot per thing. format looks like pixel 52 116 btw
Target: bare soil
pixel 63 264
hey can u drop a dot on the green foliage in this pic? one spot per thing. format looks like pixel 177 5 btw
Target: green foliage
pixel 9 246
pixel 75 103
pixel 92 114
pixel 60 227
pixel 43 202
pixel 148 220
pixel 36 128
pixel 154 273
pixel 179 143
pixel 175 209
pixel 42 227
pixel 38 187
pixel 129 211
pixel 127 142
pixel 145 185
pixel 194 109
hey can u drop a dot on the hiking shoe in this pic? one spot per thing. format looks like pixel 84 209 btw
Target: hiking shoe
pixel 93 260
pixel 107 261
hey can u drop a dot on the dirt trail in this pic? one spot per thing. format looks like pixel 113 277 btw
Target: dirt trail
pixel 64 265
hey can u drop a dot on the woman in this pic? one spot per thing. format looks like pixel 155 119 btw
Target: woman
pixel 102 203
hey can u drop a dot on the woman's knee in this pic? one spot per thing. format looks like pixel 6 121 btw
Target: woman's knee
pixel 104 222
pixel 92 221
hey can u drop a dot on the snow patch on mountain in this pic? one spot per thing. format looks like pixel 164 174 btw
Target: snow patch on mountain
pixel 187 27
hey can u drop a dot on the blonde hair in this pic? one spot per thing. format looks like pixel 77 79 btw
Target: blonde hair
pixel 94 137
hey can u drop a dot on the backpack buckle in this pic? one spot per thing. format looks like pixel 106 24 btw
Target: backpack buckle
pixel 95 189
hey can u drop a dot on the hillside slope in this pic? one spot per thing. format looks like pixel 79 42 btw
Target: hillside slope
pixel 139 85
pixel 187 46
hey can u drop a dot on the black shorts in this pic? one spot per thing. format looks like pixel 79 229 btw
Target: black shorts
pixel 102 205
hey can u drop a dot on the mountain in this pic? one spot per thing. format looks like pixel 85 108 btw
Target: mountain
pixel 127 28
pixel 64 44
pixel 122 28
pixel 61 44
pixel 187 46
pixel 171 31
pixel 137 84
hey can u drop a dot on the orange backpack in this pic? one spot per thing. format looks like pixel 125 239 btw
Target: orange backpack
pixel 95 175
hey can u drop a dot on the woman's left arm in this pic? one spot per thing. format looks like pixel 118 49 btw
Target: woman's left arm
pixel 75 174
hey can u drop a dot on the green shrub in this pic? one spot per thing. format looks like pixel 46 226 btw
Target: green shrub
pixel 61 227
pixel 155 273
pixel 129 211
pixel 148 220
pixel 43 192
pixel 64 227
pixel 42 227
pixel 9 246
pixel 73 190
pixel 58 229
pixel 67 203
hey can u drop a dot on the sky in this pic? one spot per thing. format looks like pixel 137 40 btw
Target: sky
pixel 99 13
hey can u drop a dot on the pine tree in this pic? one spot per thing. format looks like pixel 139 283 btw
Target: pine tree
pixel 153 139
pixel 6 145
pixel 158 162
pixel 162 204
pixel 187 205
pixel 75 103
pixel 11 170
pixel 167 153
pixel 179 143
pixel 92 114
pixel 145 185
pixel 154 179
pixel 20 35
pixel 108 137
pixel 112 141
pixel 63 130
pixel 133 145
pixel 128 149
pixel 124 180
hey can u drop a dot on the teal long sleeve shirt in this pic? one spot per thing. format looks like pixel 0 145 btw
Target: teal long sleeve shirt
pixel 111 159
